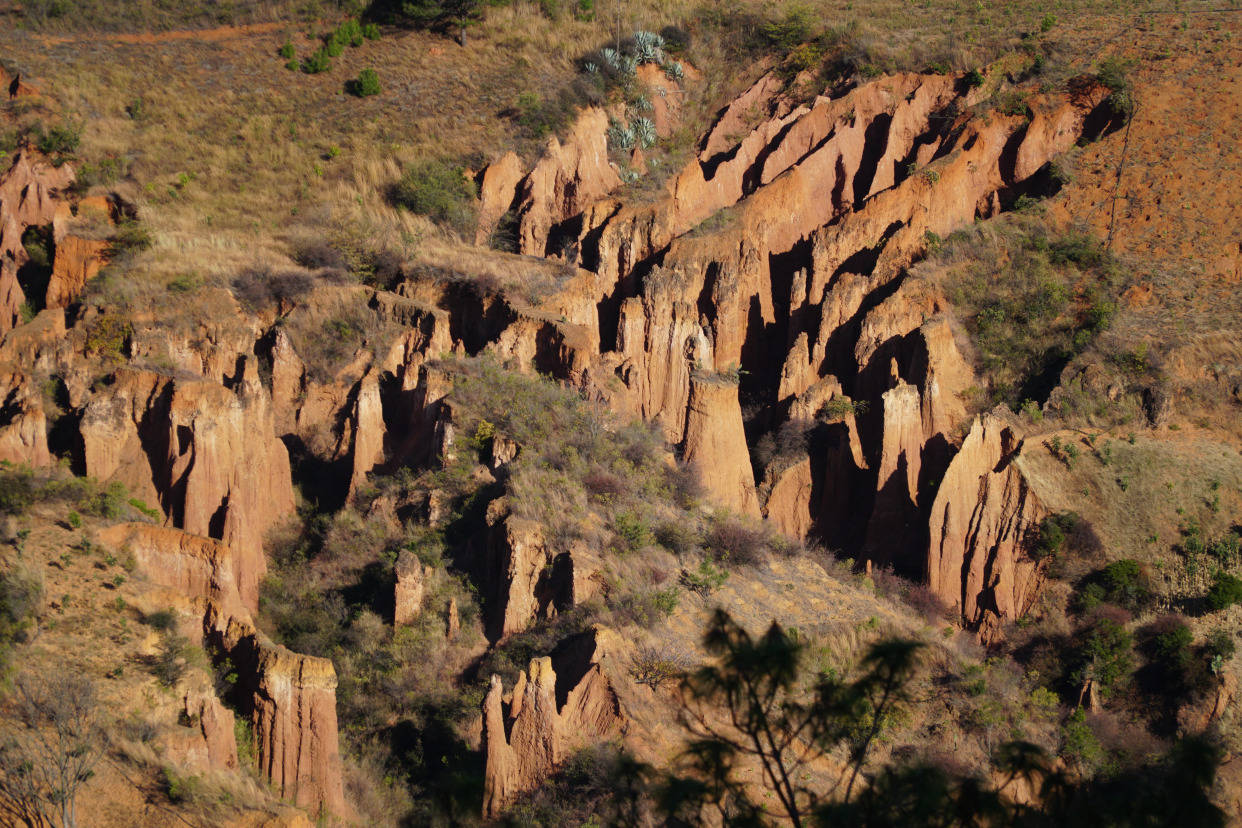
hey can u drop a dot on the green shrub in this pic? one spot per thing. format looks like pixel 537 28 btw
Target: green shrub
pixel 180 788
pixel 704 580
pixel 974 79
pixel 61 140
pixel 170 661
pixel 17 490
pixel 1220 643
pixel 319 61
pixel 371 31
pixel 129 235
pixel 646 609
pixel 838 408
pixel 164 621
pixel 1172 647
pixel 1114 73
pixel 1079 744
pixel 287 51
pixel 438 190
pixel 632 530
pixel 1050 535
pixel 1122 582
pixel 1226 590
pixel 365 86
pixel 21 596
pixel 794 27
pixel 1104 653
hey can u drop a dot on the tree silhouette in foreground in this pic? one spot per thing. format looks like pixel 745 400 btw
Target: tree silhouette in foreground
pixel 753 705
pixel 46 760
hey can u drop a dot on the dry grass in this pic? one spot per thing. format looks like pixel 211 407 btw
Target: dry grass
pixel 226 150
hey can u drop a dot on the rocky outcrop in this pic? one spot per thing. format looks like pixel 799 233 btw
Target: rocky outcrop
pixel 895 513
pixel 409 590
pixel 497 191
pixel 206 454
pixel 23 425
pixel 981 521
pixel 214 724
pixel 295 727
pixel 559 704
pixel 524 578
pixel 30 192
pixel 568 177
pixel 78 258
pixel 197 568
pixel 290 698
pixel 715 444
pixel 789 504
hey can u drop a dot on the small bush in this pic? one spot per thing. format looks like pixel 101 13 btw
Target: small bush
pixel 1114 73
pixel 705 579
pixel 1079 744
pixel 655 666
pixel 371 31
pixel 1050 536
pixel 129 236
pixel 164 621
pixel 260 288
pixel 287 51
pixel 1104 653
pixel 1220 644
pixel 1226 590
pixel 17 491
pixel 838 408
pixel 679 538
pixel 365 86
pixel 1122 582
pixel 320 61
pixel 62 140
pixel 734 542
pixel 21 597
pixel 438 190
pixel 109 337
pixel 169 664
pixel 795 27
pixel 646 609
pixel 180 788
pixel 632 530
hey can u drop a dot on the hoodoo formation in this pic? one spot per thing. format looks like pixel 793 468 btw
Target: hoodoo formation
pixel 580 413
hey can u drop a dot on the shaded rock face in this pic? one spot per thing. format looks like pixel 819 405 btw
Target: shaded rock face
pixel 981 521
pixel 560 703
pixel 290 698
pixel 206 454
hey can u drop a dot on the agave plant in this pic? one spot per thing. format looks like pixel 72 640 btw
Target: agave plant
pixel 620 136
pixel 644 132
pixel 643 104
pixel 674 70
pixel 591 68
pixel 648 47
pixel 612 57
